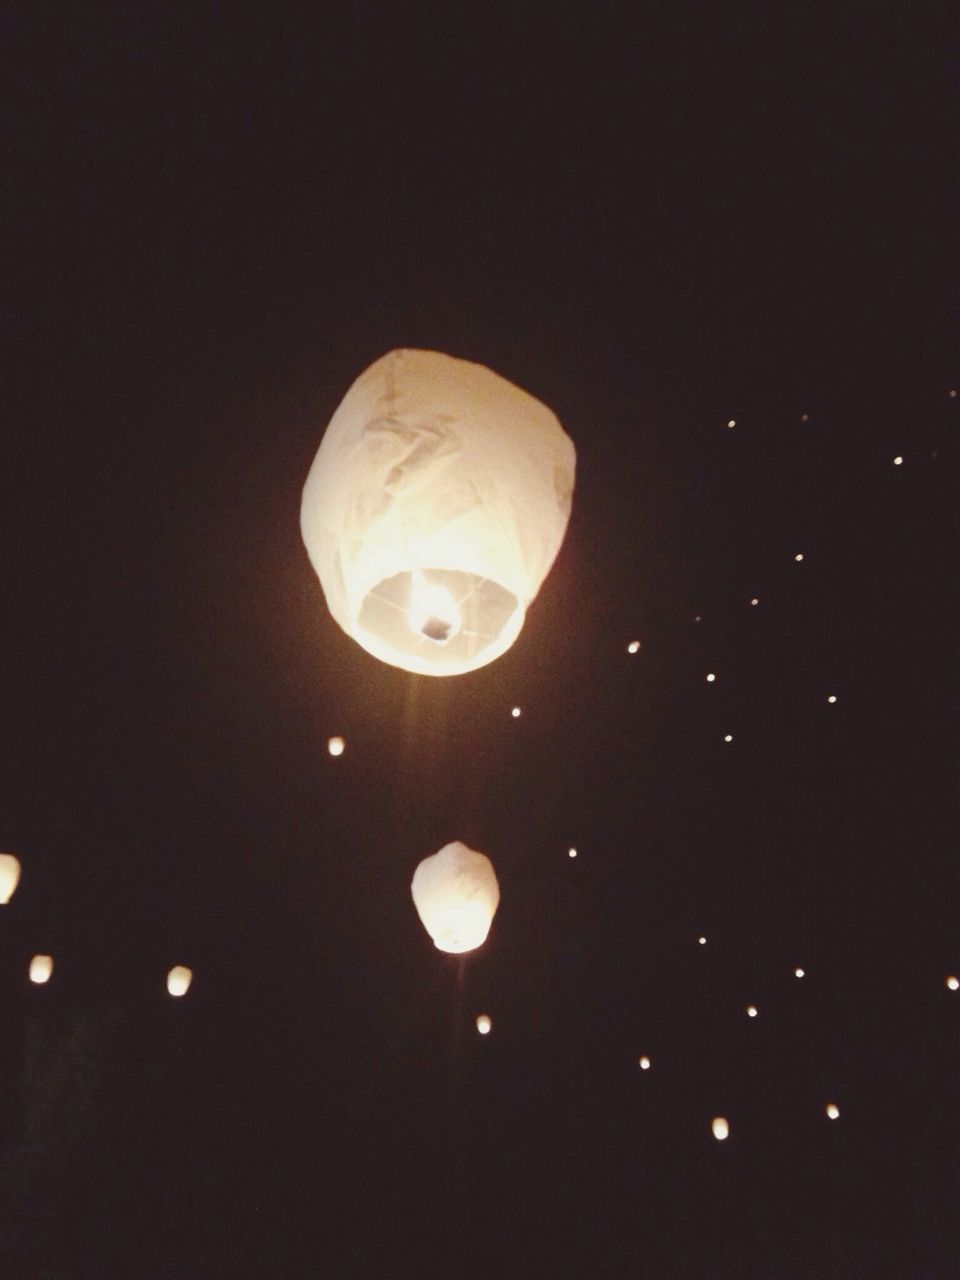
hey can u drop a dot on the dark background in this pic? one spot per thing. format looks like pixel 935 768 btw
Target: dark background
pixel 655 217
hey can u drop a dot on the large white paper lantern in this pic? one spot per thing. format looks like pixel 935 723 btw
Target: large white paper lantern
pixel 434 508
pixel 456 894
pixel 9 877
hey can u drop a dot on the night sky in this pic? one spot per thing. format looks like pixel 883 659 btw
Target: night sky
pixel 657 218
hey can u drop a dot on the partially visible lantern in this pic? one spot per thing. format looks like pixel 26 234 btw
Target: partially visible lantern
pixel 456 895
pixel 9 877
pixel 434 509
pixel 179 979
pixel 721 1128
pixel 41 967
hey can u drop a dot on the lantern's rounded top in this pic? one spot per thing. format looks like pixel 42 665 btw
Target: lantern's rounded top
pixel 434 508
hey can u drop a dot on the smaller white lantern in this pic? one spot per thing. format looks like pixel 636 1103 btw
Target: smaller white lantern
pixel 751 1010
pixel 484 1024
pixel 9 876
pixel 644 1063
pixel 833 1111
pixel 179 979
pixel 720 1127
pixel 41 967
pixel 456 895
pixel 953 983
pixel 336 746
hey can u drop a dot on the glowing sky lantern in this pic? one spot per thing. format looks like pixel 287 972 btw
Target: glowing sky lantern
pixel 456 895
pixel 41 967
pixel 720 1127
pixel 9 876
pixel 179 979
pixel 336 746
pixel 484 1024
pixel 434 509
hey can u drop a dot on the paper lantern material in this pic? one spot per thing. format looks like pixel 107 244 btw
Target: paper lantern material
pixel 9 877
pixel 434 509
pixel 484 1024
pixel 179 979
pixel 721 1128
pixel 456 895
pixel 41 968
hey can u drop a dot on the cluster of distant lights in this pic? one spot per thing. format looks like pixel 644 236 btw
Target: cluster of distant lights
pixel 179 977
pixel 805 417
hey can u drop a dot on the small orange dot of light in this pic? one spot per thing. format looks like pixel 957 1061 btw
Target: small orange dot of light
pixel 710 677
pixel 336 746
pixel 515 712
pixel 571 853
pixel 732 422
pixel 633 646
pixel 702 941
pixel 833 1111
pixel 644 1064
pixel 798 557
pixel 799 972
pixel 832 697
pixel 754 601
pixel 898 461
pixel 728 737
pixel 953 983
pixel 751 1010
pixel 484 1024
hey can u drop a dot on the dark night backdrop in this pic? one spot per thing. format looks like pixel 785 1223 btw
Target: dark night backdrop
pixel 655 217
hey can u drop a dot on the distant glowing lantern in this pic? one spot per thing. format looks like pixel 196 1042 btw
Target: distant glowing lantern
pixel 633 646
pixel 720 1127
pixel 755 601
pixel 644 1063
pixel 41 967
pixel 336 746
pixel 710 677
pixel 702 940
pixel 799 973
pixel 179 979
pixel 804 417
pixel 571 853
pixel 728 737
pixel 751 1010
pixel 732 422
pixel 9 877
pixel 953 983
pixel 833 1111
pixel 434 509
pixel 898 461
pixel 515 713
pixel 798 557
pixel 456 895
pixel 484 1024
pixel 832 697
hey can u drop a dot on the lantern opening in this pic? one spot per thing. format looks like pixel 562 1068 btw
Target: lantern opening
pixel 433 610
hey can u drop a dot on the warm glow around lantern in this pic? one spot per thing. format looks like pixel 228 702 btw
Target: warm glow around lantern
pixel 41 967
pixel 953 983
pixel 644 1063
pixel 702 940
pixel 833 1111
pixel 484 1024
pixel 434 509
pixel 336 746
pixel 751 1010
pixel 179 979
pixel 571 853
pixel 633 646
pixel 720 1127
pixel 799 973
pixel 710 677
pixel 9 876
pixel 456 895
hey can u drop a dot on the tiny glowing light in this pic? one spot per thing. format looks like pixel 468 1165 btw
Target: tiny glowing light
pixel 953 393
pixel 710 677
pixel 644 1063
pixel 702 940
pixel 41 967
pixel 179 979
pixel 804 417
pixel 898 461
pixel 698 618
pixel 832 697
pixel 572 853
pixel 751 1010
pixel 720 1127
pixel 833 1111
pixel 799 973
pixel 953 983
pixel 9 876
pixel 732 422
pixel 755 601
pixel 728 737
pixel 798 557
pixel 336 746
pixel 484 1024
pixel 515 712
pixel 633 646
